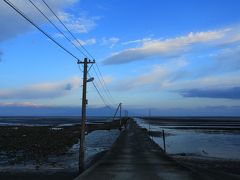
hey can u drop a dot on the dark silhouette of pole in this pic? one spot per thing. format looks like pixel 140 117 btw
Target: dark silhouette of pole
pixel 83 123
pixel 120 115
pixel 164 146
pixel 120 110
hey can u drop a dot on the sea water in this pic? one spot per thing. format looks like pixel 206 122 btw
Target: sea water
pixel 197 142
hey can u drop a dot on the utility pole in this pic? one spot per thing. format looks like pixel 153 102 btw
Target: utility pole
pixel 120 110
pixel 120 114
pixel 84 103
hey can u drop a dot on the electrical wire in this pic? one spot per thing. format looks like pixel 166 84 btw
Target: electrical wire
pixel 109 107
pixel 104 83
pixel 76 39
pixel 99 93
pixel 56 42
pixel 62 33
pixel 41 30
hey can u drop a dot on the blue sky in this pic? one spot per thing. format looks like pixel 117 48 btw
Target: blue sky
pixel 165 55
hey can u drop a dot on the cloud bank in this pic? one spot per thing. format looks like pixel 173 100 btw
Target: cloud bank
pixel 173 47
pixel 157 76
pixel 44 90
pixel 26 109
pixel 226 93
pixel 12 24
pixel 85 42
pixel 111 42
pixel 78 24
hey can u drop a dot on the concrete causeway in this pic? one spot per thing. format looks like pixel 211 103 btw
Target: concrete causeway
pixel 135 156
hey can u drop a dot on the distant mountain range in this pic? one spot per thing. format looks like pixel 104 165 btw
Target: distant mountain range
pixel 16 110
pixel 33 110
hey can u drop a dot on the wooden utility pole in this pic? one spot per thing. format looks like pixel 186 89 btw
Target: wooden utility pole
pixel 84 103
pixel 120 110
pixel 120 114
pixel 164 146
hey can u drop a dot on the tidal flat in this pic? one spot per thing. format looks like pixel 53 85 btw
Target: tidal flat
pixel 50 149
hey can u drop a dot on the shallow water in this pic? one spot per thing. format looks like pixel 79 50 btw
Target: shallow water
pixel 217 144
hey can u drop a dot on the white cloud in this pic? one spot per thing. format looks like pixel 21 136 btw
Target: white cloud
pixel 137 41
pixel 217 81
pixel 111 42
pixel 228 59
pixel 176 75
pixel 222 61
pixel 20 104
pixel 78 24
pixel 108 79
pixel 43 90
pixel 12 24
pixel 172 47
pixel 154 77
pixel 85 42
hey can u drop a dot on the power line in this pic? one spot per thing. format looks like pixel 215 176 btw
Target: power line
pixel 101 96
pixel 104 84
pixel 49 20
pixel 99 84
pixel 67 28
pixel 104 94
pixel 80 69
pixel 56 42
pixel 99 93
pixel 41 30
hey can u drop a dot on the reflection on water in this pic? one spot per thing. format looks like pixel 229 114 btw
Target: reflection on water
pixel 217 144
pixel 99 141
pixel 95 142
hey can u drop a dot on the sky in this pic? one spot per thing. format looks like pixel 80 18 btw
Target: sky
pixel 174 57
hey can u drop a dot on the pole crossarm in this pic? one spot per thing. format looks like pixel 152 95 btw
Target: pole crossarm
pixel 86 60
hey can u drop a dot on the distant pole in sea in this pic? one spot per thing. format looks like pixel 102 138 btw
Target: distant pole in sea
pixel 120 113
pixel 84 103
pixel 164 146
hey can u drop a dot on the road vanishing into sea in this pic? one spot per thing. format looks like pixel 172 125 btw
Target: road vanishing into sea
pixel 135 156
